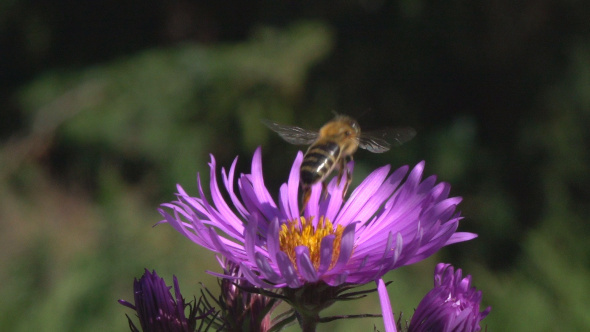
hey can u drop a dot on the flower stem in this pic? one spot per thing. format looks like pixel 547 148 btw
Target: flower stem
pixel 308 323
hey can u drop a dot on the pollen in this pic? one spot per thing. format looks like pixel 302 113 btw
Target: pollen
pixel 301 232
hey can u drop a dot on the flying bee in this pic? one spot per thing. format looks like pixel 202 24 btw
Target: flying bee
pixel 333 146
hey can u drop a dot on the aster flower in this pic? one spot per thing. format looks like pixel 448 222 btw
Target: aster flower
pixel 385 223
pixel 452 305
pixel 158 310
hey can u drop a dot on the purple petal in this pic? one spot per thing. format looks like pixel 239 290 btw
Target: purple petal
pixel 267 270
pixel 272 240
pixel 216 241
pixel 337 279
pixel 228 181
pixel 305 265
pixel 460 237
pixel 331 206
pixel 326 252
pixel 361 195
pixel 258 179
pixel 250 240
pixel 346 245
pixel 388 319
pixel 222 207
pixel 253 278
pixel 287 270
pixel 410 186
pixel 312 209
pixel 293 188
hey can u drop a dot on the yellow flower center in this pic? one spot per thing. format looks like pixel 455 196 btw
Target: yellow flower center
pixel 300 232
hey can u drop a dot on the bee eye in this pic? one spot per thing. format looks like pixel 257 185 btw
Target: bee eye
pixel 347 133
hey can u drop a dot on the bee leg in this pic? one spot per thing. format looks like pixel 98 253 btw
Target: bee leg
pixel 344 166
pixel 341 165
pixel 325 190
pixel 306 195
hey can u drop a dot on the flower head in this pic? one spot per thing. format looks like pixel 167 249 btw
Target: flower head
pixel 158 310
pixel 452 305
pixel 241 309
pixel 389 220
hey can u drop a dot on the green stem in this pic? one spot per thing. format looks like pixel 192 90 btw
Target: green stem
pixel 308 323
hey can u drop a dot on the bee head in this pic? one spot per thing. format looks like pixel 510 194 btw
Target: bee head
pixel 344 131
pixel 345 127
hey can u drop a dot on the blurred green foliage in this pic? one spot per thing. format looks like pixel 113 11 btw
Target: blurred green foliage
pixel 101 121
pixel 162 111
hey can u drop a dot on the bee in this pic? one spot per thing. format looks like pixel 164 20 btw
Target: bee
pixel 333 147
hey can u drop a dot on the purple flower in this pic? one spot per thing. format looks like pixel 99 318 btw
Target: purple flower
pixel 158 310
pixel 452 305
pixel 389 220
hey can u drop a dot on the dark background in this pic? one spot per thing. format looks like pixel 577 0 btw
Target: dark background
pixel 106 105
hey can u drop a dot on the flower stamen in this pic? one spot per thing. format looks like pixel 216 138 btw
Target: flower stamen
pixel 301 232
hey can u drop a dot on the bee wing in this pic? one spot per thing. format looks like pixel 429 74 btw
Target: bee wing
pixel 379 141
pixel 292 134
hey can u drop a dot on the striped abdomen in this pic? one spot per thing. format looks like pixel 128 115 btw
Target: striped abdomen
pixel 318 162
